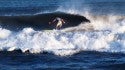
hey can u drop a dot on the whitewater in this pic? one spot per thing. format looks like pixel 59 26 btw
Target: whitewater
pixel 104 33
pixel 93 37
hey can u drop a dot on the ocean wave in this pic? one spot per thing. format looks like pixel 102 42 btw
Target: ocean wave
pixel 66 42
pixel 105 33
pixel 40 21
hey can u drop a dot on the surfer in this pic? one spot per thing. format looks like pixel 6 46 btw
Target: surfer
pixel 59 23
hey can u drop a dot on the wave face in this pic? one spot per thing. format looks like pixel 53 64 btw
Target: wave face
pixel 104 33
pixel 41 21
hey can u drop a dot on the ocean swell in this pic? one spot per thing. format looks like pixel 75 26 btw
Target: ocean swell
pixel 99 35
pixel 104 32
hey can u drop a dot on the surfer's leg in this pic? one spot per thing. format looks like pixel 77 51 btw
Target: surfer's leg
pixel 59 25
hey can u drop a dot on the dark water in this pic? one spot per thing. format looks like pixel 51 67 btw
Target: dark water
pixel 83 60
pixel 41 51
pixel 40 21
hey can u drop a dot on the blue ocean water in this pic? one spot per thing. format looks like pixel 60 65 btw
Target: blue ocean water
pixel 98 45
pixel 32 7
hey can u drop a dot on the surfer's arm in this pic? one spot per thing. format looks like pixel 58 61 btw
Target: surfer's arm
pixel 52 21
pixel 63 21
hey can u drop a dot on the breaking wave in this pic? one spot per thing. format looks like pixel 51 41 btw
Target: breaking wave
pixel 103 34
pixel 40 21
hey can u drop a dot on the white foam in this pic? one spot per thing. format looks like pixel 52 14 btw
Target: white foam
pixel 104 33
pixel 4 33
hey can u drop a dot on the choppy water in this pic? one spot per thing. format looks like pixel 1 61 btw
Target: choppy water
pixel 99 44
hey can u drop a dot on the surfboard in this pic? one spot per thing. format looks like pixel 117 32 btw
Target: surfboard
pixel 47 30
